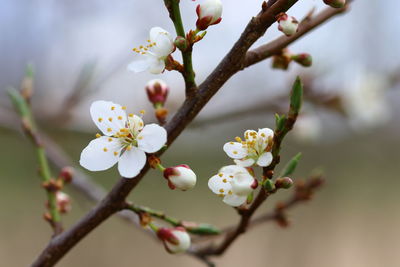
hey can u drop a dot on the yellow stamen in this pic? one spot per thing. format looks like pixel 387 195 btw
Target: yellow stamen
pixel 115 153
pixel 110 119
pixel 109 130
pixel 105 149
pixel 112 108
pixel 100 119
pixel 98 135
pixel 120 117
pixel 123 108
pixel 221 190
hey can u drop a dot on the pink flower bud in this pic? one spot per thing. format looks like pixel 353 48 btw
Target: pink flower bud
pixel 175 240
pixel 287 24
pixel 157 91
pixel 335 3
pixel 303 59
pixel 63 202
pixel 208 13
pixel 66 174
pixel 181 177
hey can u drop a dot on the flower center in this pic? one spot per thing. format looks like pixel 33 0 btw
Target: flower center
pixel 143 50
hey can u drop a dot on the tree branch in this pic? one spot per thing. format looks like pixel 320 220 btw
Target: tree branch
pixel 114 201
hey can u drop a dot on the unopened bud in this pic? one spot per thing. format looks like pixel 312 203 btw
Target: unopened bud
pixel 157 91
pixel 209 13
pixel 335 3
pixel 181 177
pixel 66 174
pixel 63 202
pixel 287 24
pixel 303 59
pixel 52 185
pixel 181 43
pixel 284 182
pixel 176 239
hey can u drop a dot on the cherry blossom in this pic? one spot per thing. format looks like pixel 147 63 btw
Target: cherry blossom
pixel 233 183
pixel 255 149
pixel 126 140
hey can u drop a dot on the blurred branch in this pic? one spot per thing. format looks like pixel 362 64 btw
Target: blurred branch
pixel 114 201
pixel 81 87
pixel 309 23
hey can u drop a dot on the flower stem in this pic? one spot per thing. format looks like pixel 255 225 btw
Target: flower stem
pixel 160 167
pixel 188 75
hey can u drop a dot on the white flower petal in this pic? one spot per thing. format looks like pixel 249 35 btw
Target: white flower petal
pixel 99 154
pixel 233 169
pixel 265 159
pixel 265 133
pixel 244 162
pixel 135 123
pixel 234 200
pixel 235 150
pixel 139 65
pixel 131 162
pixel 156 65
pixel 241 184
pixel 152 138
pixel 108 116
pixel 220 184
pixel 163 42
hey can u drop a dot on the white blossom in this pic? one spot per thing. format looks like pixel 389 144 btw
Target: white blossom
pixel 234 183
pixel 365 101
pixel 160 46
pixel 255 149
pixel 125 140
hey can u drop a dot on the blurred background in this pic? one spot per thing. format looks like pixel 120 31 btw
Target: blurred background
pixel 349 127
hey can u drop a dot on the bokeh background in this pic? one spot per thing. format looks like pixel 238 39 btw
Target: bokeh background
pixel 353 221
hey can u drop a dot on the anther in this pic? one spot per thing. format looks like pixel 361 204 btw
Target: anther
pixel 100 119
pixel 105 149
pixel 98 135
pixel 110 119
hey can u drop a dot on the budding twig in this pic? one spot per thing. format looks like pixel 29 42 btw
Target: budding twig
pixel 28 124
pixel 188 74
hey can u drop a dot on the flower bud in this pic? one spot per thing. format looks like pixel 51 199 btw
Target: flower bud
pixel 175 240
pixel 335 3
pixel 269 185
pixel 181 43
pixel 66 174
pixel 63 202
pixel 208 13
pixel 303 59
pixel 287 24
pixel 284 182
pixel 181 177
pixel 157 91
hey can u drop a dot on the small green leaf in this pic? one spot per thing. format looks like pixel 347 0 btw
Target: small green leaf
pixel 204 229
pixel 19 102
pixel 296 97
pixel 280 121
pixel 290 166
pixel 269 185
